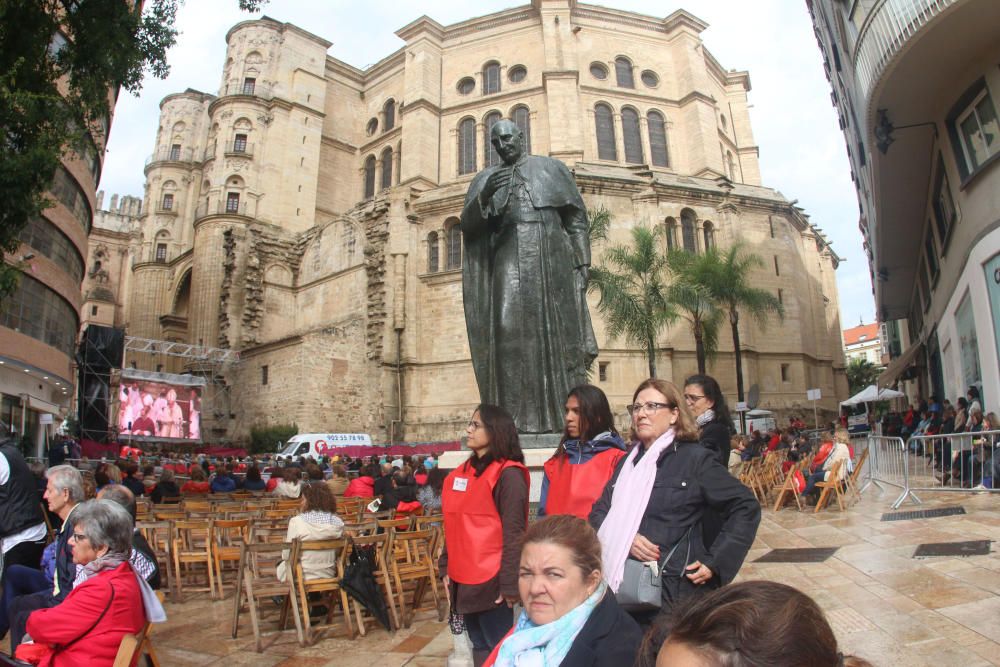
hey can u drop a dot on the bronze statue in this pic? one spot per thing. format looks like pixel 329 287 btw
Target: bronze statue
pixel 525 270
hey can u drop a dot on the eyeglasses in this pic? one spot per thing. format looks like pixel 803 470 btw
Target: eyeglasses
pixel 474 425
pixel 692 398
pixel 648 408
pixel 79 537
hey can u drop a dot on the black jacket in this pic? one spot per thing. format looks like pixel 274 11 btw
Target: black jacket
pixel 715 435
pixel 609 638
pixel 19 508
pixel 689 479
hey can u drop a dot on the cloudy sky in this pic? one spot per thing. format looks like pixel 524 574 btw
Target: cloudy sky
pixel 802 151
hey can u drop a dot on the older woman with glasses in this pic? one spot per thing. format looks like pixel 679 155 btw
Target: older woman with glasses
pixel 652 508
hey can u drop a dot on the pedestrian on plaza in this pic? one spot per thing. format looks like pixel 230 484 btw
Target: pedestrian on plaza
pixel 485 506
pixel 588 452
pixel 655 503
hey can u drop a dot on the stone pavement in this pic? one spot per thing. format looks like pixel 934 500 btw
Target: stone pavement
pixel 883 604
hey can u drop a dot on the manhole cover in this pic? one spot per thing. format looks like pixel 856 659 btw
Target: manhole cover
pixel 811 555
pixel 973 548
pixel 923 514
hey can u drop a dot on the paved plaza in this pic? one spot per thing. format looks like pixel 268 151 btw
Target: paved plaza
pixel 883 604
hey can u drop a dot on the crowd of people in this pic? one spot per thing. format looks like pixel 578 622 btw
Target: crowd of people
pixel 639 537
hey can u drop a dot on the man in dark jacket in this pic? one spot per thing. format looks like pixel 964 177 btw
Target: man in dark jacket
pixel 22 525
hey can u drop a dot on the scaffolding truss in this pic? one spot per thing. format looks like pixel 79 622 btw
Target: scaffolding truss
pixel 183 350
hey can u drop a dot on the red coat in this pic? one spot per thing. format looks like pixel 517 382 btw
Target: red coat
pixel 72 622
pixel 360 487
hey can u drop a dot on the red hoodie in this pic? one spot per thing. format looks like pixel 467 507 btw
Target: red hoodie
pixel 360 487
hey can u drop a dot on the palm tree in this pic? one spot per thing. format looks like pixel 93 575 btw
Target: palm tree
pixel 726 277
pixel 632 289
pixel 688 292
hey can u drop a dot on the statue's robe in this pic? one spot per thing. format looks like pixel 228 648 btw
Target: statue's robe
pixel 526 313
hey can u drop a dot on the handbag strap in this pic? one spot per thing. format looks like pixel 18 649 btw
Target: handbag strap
pixel 687 538
pixel 63 647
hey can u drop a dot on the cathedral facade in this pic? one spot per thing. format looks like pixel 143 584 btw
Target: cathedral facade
pixel 306 214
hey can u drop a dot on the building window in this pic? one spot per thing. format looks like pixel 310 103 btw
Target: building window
pixel 770 225
pixel 931 253
pixel 657 129
pixel 925 284
pixel 671 234
pixel 623 73
pixel 93 311
pixel 466 146
pixel 372 126
pixel 432 252
pixel 978 130
pixel 604 122
pixel 517 73
pixel 709 233
pixel 369 177
pixel 48 240
pixel 454 241
pixel 466 85
pixel 232 202
pixel 598 71
pixel 777 269
pixel 389 115
pixel 490 151
pixel 168 202
pixel 522 118
pixel 387 168
pixel 491 78
pixel 943 206
pixel 781 296
pixel 632 136
pixel 69 193
pixel 175 152
pixel 249 84
pixel 37 311
pixel 687 230
pixel 650 78
pixel 263 375
pixel 731 165
pixel 786 372
pixel 240 143
pixel 161 252
pixel 602 371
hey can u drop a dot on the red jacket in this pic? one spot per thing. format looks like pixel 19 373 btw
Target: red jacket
pixel 361 487
pixel 91 621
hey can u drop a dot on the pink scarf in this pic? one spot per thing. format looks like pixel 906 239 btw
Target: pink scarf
pixel 628 504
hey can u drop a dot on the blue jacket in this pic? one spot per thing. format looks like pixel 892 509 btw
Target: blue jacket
pixel 581 453
pixel 223 484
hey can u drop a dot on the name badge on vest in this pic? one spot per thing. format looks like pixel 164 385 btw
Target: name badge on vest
pixel 459 484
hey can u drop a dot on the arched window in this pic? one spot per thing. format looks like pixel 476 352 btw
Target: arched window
pixel 709 231
pixel 687 230
pixel 632 136
pixel 671 234
pixel 387 168
pixel 657 129
pixel 466 146
pixel 522 118
pixel 454 242
pixel 389 115
pixel 491 78
pixel 369 177
pixel 432 252
pixel 731 165
pixel 604 122
pixel 623 72
pixel 492 157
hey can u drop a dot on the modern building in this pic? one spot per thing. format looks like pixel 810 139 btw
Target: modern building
pixel 863 342
pixel 917 83
pixel 306 214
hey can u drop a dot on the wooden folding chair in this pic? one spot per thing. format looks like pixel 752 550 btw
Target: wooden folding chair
pixel 853 490
pixel 350 508
pixel 128 649
pixel 788 486
pixel 146 645
pixel 361 528
pixel 412 567
pixel 385 525
pixel 328 588
pixel 382 545
pixel 49 530
pixel 833 484
pixel 434 522
pixel 258 565
pixel 196 505
pixel 158 535
pixel 192 546
pixel 228 535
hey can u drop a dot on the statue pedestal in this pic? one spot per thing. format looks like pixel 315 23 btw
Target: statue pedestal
pixel 539 440
pixel 538 448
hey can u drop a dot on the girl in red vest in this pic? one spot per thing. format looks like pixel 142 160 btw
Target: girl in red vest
pixel 485 507
pixel 586 458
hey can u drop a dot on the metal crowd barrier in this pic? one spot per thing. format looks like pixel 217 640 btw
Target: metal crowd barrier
pixel 957 462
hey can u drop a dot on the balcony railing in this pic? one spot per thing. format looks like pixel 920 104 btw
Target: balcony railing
pixel 887 28
pixel 261 90
pixel 225 207
pixel 170 154
pixel 209 153
pixel 239 150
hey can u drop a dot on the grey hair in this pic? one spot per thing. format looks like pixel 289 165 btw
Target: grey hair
pixel 167 475
pixel 67 478
pixel 106 524
pixel 121 495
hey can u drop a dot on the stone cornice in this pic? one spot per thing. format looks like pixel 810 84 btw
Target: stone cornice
pixel 678 20
pixel 271 346
pixel 496 100
pixel 417 105
pixel 392 135
pixel 339 145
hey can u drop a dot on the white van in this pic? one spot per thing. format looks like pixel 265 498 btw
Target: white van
pixel 323 444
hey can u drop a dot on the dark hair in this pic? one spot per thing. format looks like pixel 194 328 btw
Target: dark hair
pixel 370 470
pixel 291 474
pixel 724 627
pixel 435 479
pixel 595 414
pixel 973 392
pixel 197 474
pixel 713 392
pixel 319 498
pixel 313 472
pixel 962 403
pixel 572 533
pixel 504 444
pixel 253 473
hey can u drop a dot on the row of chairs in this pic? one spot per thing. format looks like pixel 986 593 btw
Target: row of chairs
pixel 766 478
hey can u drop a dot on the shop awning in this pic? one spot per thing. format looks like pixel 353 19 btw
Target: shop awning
pixel 898 365
pixel 39 405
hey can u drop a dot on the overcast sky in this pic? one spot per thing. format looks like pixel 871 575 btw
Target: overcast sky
pixel 802 151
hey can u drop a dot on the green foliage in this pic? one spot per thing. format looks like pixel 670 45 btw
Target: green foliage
pixel 265 439
pixel 689 292
pixel 633 290
pixel 860 374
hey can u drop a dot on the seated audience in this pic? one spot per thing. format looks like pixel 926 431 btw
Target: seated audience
pixel 223 482
pixel 840 452
pixel 338 480
pixel 141 557
pixel 290 485
pixel 198 482
pixel 133 479
pixel 253 481
pixel 570 616
pixel 363 486
pixel 429 495
pixel 166 487
pixel 148 480
pixel 318 521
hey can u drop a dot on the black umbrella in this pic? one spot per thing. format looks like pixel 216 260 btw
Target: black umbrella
pixel 359 582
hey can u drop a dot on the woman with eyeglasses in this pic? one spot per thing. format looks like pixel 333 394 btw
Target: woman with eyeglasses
pixel 704 398
pixel 485 506
pixel 652 508
pixel 586 457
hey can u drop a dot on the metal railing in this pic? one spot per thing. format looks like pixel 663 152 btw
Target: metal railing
pixel 261 90
pixel 235 149
pixel 170 154
pixel 886 29
pixel 224 207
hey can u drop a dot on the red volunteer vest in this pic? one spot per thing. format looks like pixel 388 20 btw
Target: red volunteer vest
pixel 472 528
pixel 573 488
